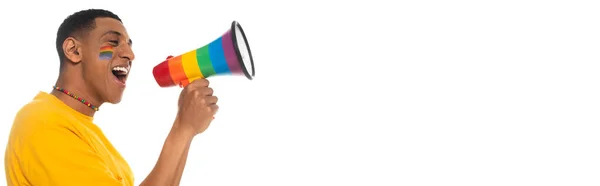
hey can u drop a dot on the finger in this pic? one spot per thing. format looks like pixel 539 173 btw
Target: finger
pixel 211 100
pixel 213 109
pixel 202 82
pixel 207 91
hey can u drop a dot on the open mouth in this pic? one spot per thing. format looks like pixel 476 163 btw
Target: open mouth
pixel 121 73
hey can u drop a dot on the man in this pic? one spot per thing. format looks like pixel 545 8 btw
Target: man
pixel 54 141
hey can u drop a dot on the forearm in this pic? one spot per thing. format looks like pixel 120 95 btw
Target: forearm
pixel 181 166
pixel 169 167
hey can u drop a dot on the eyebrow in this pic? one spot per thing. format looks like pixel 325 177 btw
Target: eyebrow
pixel 130 42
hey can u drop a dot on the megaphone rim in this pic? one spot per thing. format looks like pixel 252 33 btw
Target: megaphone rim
pixel 235 24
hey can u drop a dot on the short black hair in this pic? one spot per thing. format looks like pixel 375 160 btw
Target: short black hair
pixel 77 24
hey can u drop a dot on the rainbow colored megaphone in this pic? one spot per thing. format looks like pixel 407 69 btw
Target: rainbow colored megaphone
pixel 227 55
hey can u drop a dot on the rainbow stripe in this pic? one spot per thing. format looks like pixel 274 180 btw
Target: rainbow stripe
pixel 106 53
pixel 216 58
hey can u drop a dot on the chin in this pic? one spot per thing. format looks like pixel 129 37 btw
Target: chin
pixel 115 100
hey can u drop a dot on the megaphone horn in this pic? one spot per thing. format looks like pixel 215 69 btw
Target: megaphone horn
pixel 227 55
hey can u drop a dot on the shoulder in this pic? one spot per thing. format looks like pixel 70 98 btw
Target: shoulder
pixel 37 126
pixel 43 121
pixel 45 148
pixel 35 115
pixel 39 117
pixel 41 127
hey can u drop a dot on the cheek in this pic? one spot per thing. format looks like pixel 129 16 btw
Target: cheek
pixel 95 67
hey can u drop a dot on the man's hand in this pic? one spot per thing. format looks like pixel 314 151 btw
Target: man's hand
pixel 197 107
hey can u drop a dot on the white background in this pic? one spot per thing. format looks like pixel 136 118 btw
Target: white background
pixel 350 93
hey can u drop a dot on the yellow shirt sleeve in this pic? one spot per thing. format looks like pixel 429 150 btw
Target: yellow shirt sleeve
pixel 55 155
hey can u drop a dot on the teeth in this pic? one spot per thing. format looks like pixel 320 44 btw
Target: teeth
pixel 122 69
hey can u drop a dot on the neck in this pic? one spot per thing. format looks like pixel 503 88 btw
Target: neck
pixel 79 90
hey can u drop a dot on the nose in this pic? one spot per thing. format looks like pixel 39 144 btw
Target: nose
pixel 127 53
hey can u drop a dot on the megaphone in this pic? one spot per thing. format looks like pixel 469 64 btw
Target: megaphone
pixel 227 55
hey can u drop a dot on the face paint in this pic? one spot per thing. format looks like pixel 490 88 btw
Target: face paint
pixel 106 53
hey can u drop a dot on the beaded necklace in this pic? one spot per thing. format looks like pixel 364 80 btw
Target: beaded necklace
pixel 76 97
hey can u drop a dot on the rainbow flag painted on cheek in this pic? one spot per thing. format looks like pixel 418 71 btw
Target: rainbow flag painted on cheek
pixel 106 53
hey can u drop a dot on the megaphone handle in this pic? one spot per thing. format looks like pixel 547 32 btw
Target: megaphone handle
pixel 180 85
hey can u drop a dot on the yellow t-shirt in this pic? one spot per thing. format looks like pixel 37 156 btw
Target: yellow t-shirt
pixel 52 144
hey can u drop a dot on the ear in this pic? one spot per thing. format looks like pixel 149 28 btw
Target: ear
pixel 72 50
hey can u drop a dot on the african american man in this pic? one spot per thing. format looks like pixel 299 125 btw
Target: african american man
pixel 54 140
